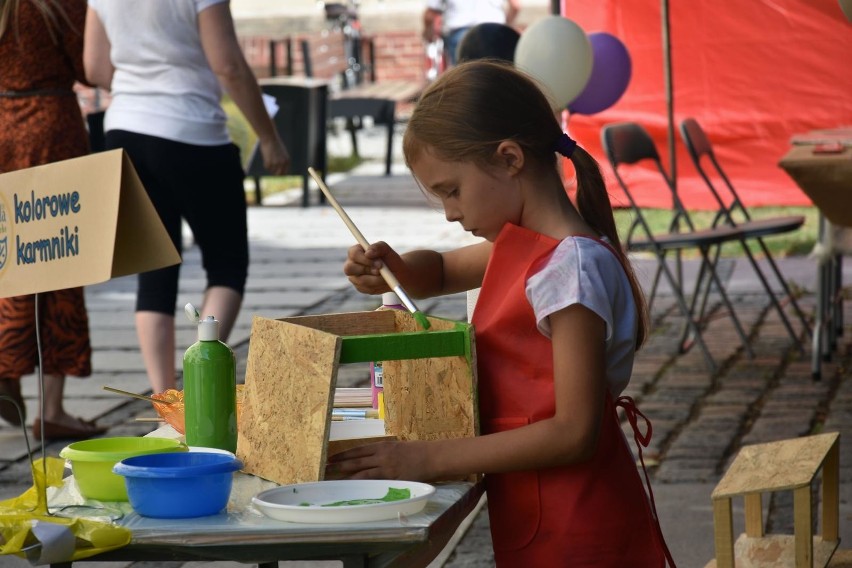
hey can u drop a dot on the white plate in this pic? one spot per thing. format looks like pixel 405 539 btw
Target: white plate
pixel 288 502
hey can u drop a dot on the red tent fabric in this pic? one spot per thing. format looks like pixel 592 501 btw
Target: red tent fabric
pixel 752 73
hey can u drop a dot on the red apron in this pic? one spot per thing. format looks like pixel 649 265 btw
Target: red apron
pixel 594 513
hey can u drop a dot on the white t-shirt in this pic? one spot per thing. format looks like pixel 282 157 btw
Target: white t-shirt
pixel 466 13
pixel 163 85
pixel 584 271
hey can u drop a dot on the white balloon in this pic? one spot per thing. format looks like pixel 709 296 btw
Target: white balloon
pixel 557 53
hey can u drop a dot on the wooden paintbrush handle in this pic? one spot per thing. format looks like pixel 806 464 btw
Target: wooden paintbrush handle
pixel 384 270
pixel 343 215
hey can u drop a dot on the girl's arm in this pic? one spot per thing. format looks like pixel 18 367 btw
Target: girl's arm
pixel 219 41
pixel 570 436
pixel 96 48
pixel 422 273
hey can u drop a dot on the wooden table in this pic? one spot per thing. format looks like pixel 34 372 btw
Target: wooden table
pixel 827 180
pixel 244 535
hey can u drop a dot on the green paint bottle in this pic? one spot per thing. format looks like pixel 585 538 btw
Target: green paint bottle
pixel 210 390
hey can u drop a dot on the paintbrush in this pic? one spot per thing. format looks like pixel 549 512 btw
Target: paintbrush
pixel 384 270
pixel 139 396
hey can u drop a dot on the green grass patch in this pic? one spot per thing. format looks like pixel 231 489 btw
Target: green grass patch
pixel 787 244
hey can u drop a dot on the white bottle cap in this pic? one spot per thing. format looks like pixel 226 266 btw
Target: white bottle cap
pixel 391 299
pixel 208 329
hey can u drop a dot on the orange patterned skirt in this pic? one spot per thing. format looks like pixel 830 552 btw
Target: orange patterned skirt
pixel 64 327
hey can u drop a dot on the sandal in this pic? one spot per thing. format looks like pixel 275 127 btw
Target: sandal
pixel 8 412
pixel 54 431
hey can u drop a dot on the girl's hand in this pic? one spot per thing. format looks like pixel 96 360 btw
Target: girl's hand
pixel 362 267
pixel 382 460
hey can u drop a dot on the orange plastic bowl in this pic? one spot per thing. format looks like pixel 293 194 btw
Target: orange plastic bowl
pixel 173 413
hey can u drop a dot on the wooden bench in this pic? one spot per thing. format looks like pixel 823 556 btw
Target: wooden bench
pixel 355 93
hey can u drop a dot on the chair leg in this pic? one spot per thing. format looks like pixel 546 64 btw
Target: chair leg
pixel 654 285
pixel 350 126
pixel 258 195
pixel 389 117
pixel 838 305
pixel 786 288
pixel 708 289
pixel 712 269
pixel 306 197
pixel 687 312
pixel 389 155
pixel 777 305
pixel 696 293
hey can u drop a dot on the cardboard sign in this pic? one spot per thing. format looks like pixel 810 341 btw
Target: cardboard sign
pixel 77 222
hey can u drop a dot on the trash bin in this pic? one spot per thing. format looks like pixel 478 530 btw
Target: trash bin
pixel 301 123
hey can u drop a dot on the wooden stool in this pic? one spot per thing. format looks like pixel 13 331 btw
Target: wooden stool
pixel 779 466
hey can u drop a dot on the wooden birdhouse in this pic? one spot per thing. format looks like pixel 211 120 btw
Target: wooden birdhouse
pixel 291 375
pixel 786 465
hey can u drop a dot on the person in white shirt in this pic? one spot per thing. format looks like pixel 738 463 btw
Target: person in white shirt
pixel 166 63
pixel 458 16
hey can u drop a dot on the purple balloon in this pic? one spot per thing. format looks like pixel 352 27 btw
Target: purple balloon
pixel 611 69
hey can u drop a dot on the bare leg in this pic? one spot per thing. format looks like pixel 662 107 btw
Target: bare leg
pixel 54 390
pixel 156 333
pixel 54 410
pixel 223 303
pixel 58 423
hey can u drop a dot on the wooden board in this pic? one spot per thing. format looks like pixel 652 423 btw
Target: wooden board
pixel 290 377
pixel 431 398
pixel 354 323
pixel 775 466
pixel 775 550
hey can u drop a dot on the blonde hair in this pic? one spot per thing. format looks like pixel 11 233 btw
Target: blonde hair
pixel 471 108
pixel 51 10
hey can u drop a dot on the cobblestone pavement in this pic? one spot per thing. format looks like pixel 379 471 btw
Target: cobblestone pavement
pixel 700 419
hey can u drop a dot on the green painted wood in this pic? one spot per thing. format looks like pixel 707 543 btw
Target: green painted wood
pixel 407 345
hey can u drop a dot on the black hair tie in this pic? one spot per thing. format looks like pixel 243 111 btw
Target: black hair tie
pixel 565 145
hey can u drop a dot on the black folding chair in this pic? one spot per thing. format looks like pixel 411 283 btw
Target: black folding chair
pixel 701 152
pixel 626 144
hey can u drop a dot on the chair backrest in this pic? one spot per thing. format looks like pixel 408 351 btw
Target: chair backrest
pixel 627 143
pixel 701 152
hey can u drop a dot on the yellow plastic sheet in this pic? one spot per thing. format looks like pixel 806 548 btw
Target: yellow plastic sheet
pixel 28 531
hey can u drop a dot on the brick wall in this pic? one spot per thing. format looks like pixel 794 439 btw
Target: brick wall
pixel 399 55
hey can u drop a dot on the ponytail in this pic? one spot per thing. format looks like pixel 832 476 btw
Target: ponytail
pixel 594 206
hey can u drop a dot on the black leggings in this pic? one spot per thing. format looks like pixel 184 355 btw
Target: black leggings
pixel 204 185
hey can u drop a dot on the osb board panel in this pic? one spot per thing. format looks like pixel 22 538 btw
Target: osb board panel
pixel 773 551
pixel 775 466
pixel 291 373
pixel 353 323
pixel 433 398
pixel 841 559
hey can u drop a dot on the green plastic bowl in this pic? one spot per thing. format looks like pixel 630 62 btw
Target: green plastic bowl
pixel 92 462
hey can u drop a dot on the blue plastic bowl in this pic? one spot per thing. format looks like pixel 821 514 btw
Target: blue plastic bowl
pixel 179 486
